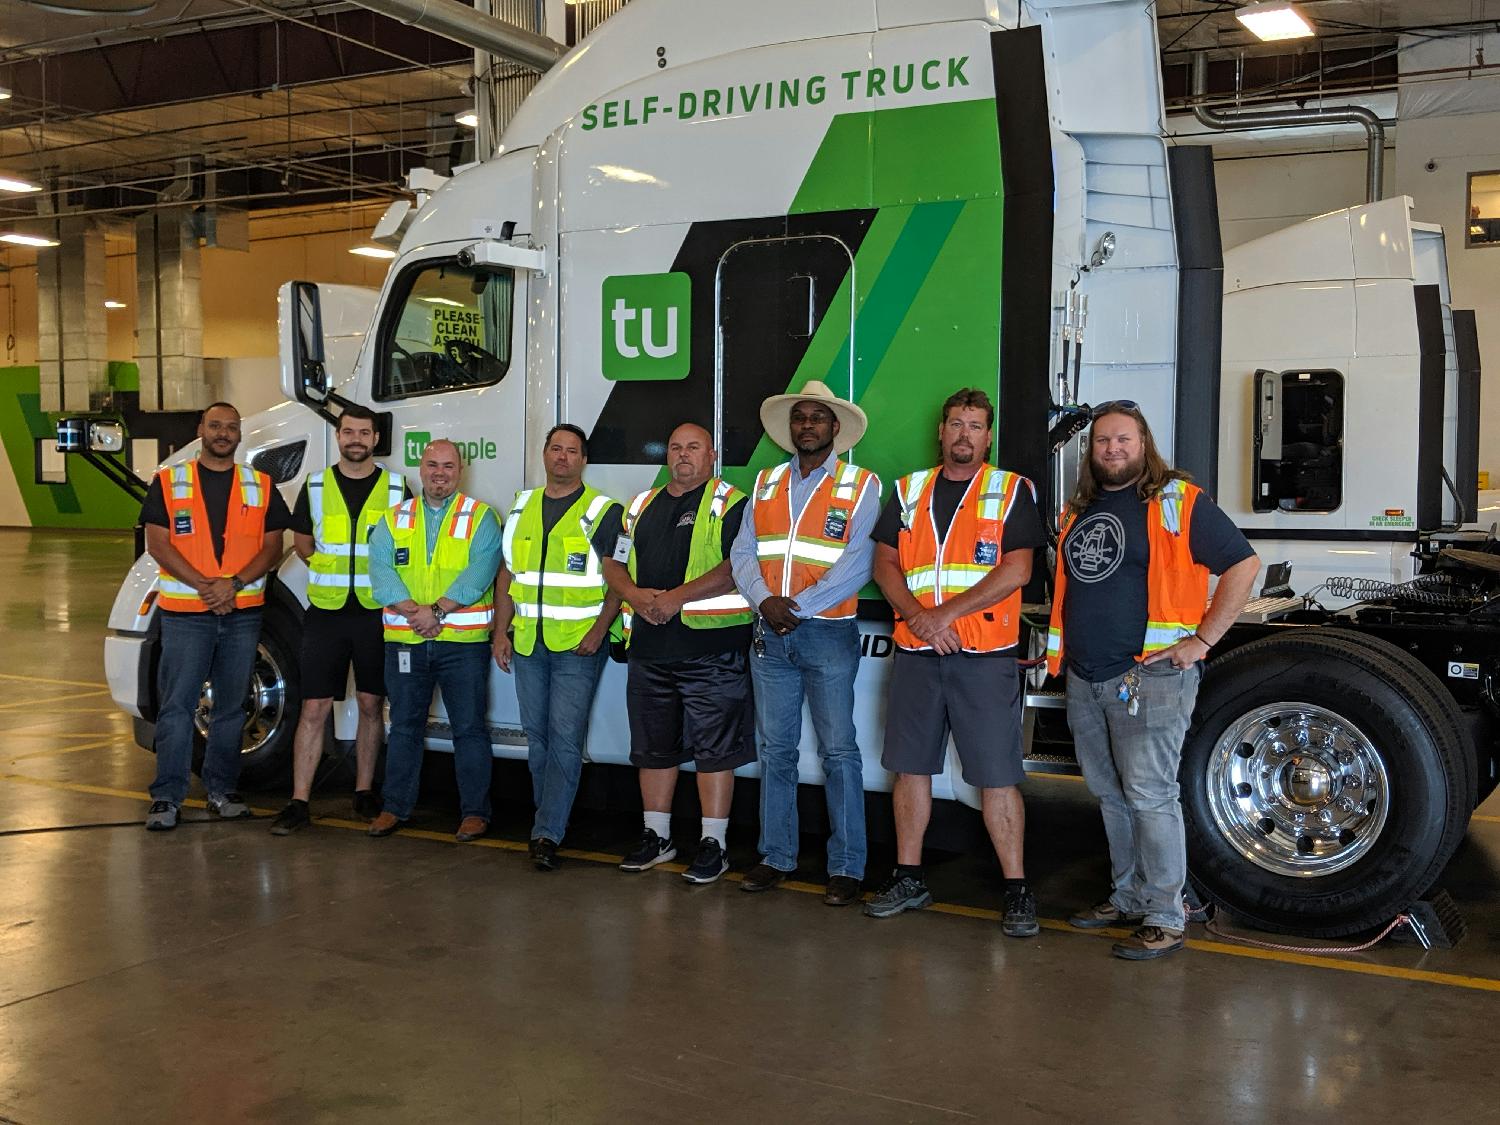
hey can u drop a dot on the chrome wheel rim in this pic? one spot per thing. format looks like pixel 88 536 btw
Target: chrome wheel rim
pixel 265 704
pixel 1298 789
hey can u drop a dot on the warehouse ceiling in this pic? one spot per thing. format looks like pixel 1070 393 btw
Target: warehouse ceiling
pixel 276 102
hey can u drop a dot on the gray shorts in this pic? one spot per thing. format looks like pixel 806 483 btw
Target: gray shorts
pixel 977 698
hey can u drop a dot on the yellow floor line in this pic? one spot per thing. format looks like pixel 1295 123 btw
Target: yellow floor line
pixel 1390 972
pixel 51 699
pixel 1486 819
pixel 116 735
pixel 45 680
pixel 58 751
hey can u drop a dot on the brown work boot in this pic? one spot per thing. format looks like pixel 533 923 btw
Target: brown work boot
pixel 1104 914
pixel 471 828
pixel 384 824
pixel 1149 942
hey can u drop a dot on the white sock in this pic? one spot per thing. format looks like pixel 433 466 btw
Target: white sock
pixel 660 823
pixel 716 828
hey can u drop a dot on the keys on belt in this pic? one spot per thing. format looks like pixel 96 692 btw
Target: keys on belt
pixel 1130 691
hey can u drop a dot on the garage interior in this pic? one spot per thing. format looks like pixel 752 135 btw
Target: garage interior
pixel 190 158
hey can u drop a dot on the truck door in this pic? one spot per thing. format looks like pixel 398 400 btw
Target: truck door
pixel 770 296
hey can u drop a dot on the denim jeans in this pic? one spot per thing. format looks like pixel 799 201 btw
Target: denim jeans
pixel 818 660
pixel 462 670
pixel 196 647
pixel 555 691
pixel 1130 763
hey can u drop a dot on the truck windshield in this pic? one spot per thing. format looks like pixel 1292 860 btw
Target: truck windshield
pixel 451 328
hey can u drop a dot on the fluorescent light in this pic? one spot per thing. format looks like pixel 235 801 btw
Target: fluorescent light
pixel 4 93
pixel 114 304
pixel 7 183
pixel 1274 21
pixel 468 118
pixel 27 240
pixel 443 301
pixel 373 252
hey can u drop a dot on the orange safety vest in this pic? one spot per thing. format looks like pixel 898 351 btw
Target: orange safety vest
pixel 1176 584
pixel 939 569
pixel 796 550
pixel 187 524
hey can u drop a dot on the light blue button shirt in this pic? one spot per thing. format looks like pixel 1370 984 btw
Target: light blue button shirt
pixel 844 579
pixel 467 588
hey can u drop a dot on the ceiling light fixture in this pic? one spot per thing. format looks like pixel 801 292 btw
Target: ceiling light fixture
pixel 4 93
pixel 10 183
pixel 1274 21
pixel 468 119
pixel 373 252
pixel 27 240
pixel 114 304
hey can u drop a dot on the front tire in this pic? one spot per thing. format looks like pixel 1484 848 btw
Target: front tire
pixel 1324 785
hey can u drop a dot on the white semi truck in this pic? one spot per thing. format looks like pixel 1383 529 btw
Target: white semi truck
pixel 709 202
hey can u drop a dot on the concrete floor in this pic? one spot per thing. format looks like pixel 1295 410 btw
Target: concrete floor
pixel 221 974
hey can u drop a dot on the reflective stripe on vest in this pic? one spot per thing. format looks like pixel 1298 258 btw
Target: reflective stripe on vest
pixel 426 581
pixel 1176 585
pixel 340 553
pixel 940 568
pixel 544 584
pixel 795 550
pixel 244 534
pixel 705 553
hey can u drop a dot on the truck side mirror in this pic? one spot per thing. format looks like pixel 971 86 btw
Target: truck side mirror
pixel 309 375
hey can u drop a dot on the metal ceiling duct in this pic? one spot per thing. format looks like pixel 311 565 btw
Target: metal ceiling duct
pixel 464 25
pixel 1286 118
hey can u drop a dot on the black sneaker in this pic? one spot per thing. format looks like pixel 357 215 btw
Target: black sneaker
pixel 899 893
pixel 291 818
pixel 543 854
pixel 708 864
pixel 367 805
pixel 1020 914
pixel 648 853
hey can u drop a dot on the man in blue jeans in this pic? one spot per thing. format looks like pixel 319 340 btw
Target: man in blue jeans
pixel 433 560
pixel 215 530
pixel 801 556
pixel 552 590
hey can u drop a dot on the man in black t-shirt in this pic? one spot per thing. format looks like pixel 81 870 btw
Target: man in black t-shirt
pixel 1131 623
pixel 215 530
pixel 688 687
pixel 331 524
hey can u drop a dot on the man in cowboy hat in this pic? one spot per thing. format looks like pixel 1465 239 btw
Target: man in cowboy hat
pixel 802 554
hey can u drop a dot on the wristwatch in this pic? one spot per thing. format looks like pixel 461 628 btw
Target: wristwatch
pixel 237 582
pixel 439 612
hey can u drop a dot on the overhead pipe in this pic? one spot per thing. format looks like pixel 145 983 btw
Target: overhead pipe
pixel 463 24
pixel 1286 118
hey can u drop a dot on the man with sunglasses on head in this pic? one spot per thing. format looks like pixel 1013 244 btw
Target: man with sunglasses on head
pixel 1138 544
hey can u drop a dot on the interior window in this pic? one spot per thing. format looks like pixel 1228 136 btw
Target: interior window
pixel 1483 210
pixel 1299 441
pixel 452 330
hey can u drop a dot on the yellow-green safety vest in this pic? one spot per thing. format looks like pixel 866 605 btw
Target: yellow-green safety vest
pixel 425 581
pixel 340 554
pixel 561 583
pixel 704 553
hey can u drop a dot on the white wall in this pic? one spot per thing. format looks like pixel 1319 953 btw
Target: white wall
pixel 1258 195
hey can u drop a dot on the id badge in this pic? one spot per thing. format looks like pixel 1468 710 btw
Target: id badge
pixel 403 662
pixel 836 523
pixel 622 549
pixel 578 562
pixel 403 556
pixel 182 523
pixel 986 553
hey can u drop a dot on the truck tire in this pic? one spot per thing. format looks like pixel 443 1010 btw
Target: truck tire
pixel 271 710
pixel 1324 786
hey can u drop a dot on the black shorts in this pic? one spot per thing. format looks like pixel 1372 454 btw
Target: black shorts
pixel 331 641
pixel 977 698
pixel 697 710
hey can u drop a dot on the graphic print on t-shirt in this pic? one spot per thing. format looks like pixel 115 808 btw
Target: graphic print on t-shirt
pixel 1095 547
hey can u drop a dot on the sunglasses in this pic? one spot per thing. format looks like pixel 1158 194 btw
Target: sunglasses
pixel 1118 406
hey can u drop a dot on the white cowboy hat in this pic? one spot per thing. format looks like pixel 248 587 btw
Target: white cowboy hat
pixel 776 415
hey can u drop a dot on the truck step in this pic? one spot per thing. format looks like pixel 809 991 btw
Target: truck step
pixel 1259 611
pixel 499 736
pixel 1050 700
pixel 1052 764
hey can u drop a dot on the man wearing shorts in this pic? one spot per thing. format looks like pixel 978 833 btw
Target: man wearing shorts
pixel 331 524
pixel 688 683
pixel 953 550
